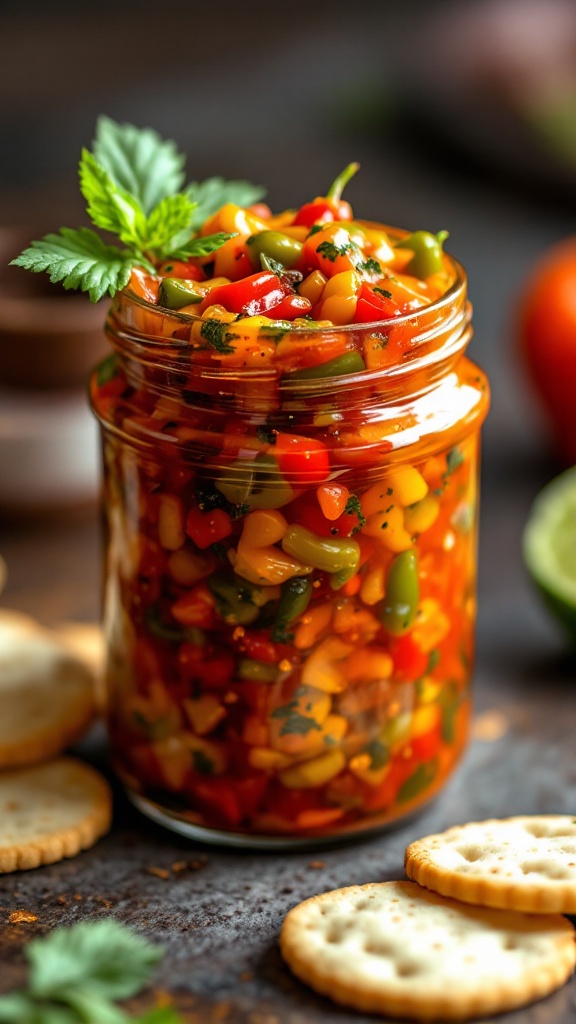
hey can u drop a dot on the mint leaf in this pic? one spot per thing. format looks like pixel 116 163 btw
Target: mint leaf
pixel 80 259
pixel 104 956
pixel 109 207
pixel 213 193
pixel 139 161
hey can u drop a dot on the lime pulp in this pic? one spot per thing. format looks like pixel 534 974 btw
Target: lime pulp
pixel 549 547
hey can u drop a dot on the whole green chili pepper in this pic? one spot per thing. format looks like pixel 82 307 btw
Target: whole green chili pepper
pixel 427 249
pixel 329 554
pixel 175 292
pixel 398 609
pixel 350 362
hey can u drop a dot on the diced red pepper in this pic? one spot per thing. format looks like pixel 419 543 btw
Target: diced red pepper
pixel 373 306
pixel 206 528
pixel 302 460
pixel 291 306
pixel 218 799
pixel 426 746
pixel 196 608
pixel 213 670
pixel 257 644
pixel 183 270
pixel 410 661
pixel 252 295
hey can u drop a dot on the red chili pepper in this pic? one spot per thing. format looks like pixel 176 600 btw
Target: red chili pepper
pixel 372 306
pixel 291 306
pixel 252 295
pixel 325 209
pixel 307 512
pixel 206 528
pixel 302 460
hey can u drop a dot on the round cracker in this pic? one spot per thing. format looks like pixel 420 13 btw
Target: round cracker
pixel 46 693
pixel 524 863
pixel 51 811
pixel 398 949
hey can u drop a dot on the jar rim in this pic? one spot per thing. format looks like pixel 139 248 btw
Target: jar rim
pixel 458 287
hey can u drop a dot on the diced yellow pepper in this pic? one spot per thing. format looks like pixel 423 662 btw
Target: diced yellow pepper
pixel 171 533
pixel 187 568
pixel 323 668
pixel 266 565
pixel 346 284
pixel 361 767
pixel 431 625
pixel 367 665
pixel 312 625
pixel 373 585
pixel 388 528
pixel 425 719
pixel 268 760
pixel 315 772
pixel 263 527
pixel 312 286
pixel 204 713
pixel 408 485
pixel 232 218
pixel 428 690
pixel 420 517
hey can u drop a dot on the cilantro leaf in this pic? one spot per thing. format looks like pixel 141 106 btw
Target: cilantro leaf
pixel 111 960
pixel 139 161
pixel 354 508
pixel 213 193
pixel 80 259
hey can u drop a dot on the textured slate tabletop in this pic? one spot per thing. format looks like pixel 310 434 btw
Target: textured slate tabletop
pixel 218 912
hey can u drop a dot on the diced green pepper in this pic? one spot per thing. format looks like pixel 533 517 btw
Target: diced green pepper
pixel 420 779
pixel 279 247
pixel 296 594
pixel 329 554
pixel 234 599
pixel 350 362
pixel 175 292
pixel 259 671
pixel 398 609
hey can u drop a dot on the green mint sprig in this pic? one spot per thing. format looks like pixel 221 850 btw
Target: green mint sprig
pixel 77 974
pixel 133 184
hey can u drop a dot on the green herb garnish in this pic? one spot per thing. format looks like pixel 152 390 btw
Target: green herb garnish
pixel 218 336
pixel 132 182
pixel 354 508
pixel 76 975
pixel 331 251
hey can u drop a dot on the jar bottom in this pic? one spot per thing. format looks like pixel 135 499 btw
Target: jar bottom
pixel 252 841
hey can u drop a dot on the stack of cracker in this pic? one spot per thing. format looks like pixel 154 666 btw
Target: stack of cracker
pixel 51 806
pixel 478 930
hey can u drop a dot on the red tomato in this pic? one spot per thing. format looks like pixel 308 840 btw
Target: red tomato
pixel 547 338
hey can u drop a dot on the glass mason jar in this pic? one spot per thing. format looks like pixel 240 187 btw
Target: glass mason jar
pixel 290 567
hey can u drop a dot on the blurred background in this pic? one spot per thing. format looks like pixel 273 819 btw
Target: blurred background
pixel 462 117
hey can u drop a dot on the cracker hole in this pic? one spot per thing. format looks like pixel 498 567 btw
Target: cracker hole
pixel 510 942
pixel 470 853
pixel 407 969
pixel 546 867
pixel 334 934
pixel 378 947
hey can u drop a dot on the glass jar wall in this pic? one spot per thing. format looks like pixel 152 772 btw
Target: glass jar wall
pixel 290 567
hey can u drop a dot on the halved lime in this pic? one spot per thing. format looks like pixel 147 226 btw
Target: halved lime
pixel 549 547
